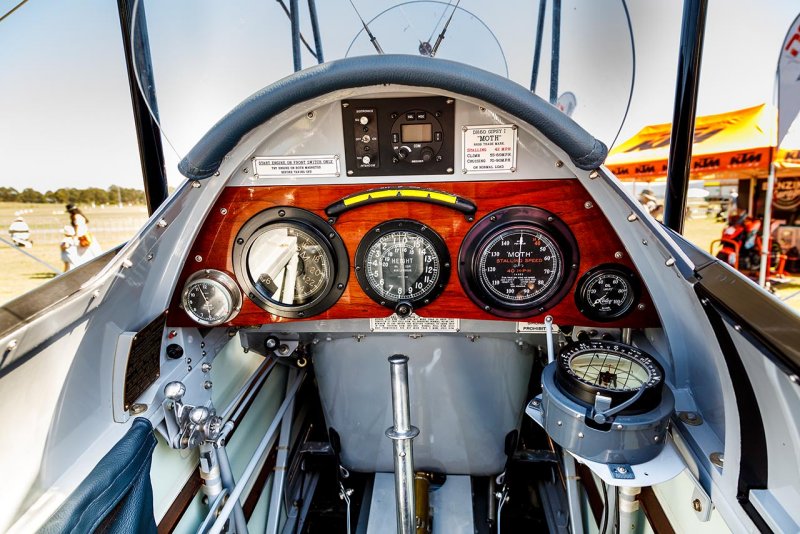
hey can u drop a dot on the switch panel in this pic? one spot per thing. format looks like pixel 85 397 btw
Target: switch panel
pixel 399 136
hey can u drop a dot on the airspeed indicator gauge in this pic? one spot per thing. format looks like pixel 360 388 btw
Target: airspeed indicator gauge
pixel 518 261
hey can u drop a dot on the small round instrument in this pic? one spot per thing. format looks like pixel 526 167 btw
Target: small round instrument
pixel 607 292
pixel 402 264
pixel 211 297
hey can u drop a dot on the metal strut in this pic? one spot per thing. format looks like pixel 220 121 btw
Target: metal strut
pixel 402 434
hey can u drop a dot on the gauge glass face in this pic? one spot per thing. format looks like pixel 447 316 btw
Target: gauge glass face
pixel 520 266
pixel 607 294
pixel 289 266
pixel 609 371
pixel 207 301
pixel 402 265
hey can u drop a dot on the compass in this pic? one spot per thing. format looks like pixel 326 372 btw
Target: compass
pixel 606 402
pixel 607 375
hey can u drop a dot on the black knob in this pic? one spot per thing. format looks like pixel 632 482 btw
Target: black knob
pixel 403 152
pixel 403 309
pixel 427 153
pixel 174 351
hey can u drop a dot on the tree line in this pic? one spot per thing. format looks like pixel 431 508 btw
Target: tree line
pixel 68 195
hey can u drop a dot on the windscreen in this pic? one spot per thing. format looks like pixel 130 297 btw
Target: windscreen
pixel 208 56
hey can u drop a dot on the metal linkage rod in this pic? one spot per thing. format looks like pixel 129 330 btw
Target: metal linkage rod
pixel 255 461
pixel 402 434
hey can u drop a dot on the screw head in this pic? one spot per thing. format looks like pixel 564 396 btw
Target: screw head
pixel 697 505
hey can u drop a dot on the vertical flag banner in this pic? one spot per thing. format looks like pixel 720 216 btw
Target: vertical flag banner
pixel 789 79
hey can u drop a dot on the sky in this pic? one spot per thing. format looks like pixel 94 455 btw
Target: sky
pixel 65 115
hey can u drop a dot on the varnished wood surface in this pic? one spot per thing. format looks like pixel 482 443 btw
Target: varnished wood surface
pixel 596 240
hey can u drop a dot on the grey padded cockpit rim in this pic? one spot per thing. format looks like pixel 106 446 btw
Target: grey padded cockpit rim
pixel 204 159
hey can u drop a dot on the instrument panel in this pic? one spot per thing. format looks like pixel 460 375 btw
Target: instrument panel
pixel 465 250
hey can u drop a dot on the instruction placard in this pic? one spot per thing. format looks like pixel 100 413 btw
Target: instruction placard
pixel 489 148
pixel 534 328
pixel 414 323
pixel 285 166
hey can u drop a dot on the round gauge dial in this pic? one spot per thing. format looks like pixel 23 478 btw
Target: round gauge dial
pixel 290 262
pixel 402 261
pixel 518 261
pixel 607 292
pixel 520 265
pixel 615 370
pixel 211 297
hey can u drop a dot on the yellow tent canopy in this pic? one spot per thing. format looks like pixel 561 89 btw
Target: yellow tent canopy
pixel 736 144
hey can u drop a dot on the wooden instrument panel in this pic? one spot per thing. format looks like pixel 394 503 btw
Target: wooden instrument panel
pixel 597 243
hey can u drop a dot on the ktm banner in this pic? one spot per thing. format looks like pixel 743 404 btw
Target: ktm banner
pixel 756 159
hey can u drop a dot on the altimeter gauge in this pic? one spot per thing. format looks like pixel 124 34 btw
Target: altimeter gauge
pixel 211 297
pixel 402 264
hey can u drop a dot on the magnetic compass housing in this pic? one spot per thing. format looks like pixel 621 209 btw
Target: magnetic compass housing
pixel 606 402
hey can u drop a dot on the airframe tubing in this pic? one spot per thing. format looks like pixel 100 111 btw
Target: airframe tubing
pixel 312 13
pixel 136 45
pixel 294 14
pixel 688 79
pixel 402 434
pixel 258 455
pixel 281 465
pixel 537 49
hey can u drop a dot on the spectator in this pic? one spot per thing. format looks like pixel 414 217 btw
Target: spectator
pixel 88 247
pixel 20 233
pixel 69 249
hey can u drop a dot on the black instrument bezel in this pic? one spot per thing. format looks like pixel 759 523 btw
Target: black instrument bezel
pixel 586 393
pixel 310 223
pixel 486 229
pixel 407 225
pixel 583 302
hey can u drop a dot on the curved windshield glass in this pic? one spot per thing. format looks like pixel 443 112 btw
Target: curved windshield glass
pixel 208 56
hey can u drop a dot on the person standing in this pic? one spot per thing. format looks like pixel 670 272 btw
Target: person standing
pixel 69 248
pixel 88 247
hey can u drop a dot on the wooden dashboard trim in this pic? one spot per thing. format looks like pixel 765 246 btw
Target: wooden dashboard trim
pixel 566 198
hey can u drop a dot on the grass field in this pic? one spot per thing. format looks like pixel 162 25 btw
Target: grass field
pixel 110 225
pixel 113 225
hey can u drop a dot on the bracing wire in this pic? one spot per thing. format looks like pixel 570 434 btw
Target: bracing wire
pixel 433 31
pixel 633 73
pixel 466 11
pixel 10 11
pixel 139 81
